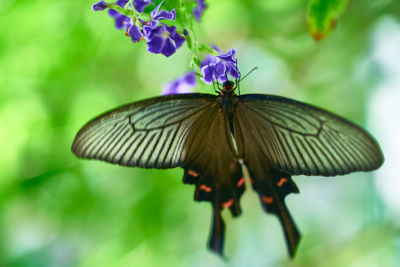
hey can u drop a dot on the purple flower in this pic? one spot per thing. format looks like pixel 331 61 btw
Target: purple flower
pixel 141 4
pixel 134 32
pixel 181 85
pixel 162 39
pixel 217 68
pixel 198 11
pixel 159 15
pixel 101 5
pixel 120 19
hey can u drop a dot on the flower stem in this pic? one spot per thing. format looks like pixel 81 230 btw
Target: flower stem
pixel 119 9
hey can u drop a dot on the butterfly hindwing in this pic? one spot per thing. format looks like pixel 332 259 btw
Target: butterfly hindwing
pixel 271 184
pixel 210 162
pixel 278 137
pixel 272 187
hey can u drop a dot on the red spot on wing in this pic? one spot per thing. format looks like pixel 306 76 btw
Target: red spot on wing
pixel 240 182
pixel 205 188
pixel 267 200
pixel 228 203
pixel 192 173
pixel 281 181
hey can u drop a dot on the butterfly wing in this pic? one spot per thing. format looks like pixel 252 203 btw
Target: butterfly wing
pixel 188 131
pixel 148 134
pixel 279 137
pixel 302 139
pixel 210 162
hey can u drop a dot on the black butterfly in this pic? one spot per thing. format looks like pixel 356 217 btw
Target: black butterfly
pixel 212 137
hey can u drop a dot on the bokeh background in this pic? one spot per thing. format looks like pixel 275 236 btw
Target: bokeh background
pixel 61 64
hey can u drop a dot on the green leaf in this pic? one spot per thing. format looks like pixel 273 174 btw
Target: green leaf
pixel 323 15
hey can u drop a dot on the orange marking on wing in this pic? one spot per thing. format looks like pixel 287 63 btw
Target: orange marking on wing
pixel 267 200
pixel 192 173
pixel 240 182
pixel 228 203
pixel 252 180
pixel 281 181
pixel 205 188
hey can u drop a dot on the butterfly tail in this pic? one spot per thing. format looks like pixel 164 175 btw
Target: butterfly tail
pixel 223 192
pixel 217 233
pixel 272 192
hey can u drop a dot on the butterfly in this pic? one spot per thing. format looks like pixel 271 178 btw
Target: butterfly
pixel 218 138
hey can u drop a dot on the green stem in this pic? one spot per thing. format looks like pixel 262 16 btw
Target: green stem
pixel 136 14
pixel 120 9
pixel 192 40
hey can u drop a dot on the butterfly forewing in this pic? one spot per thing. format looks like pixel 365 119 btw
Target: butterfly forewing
pixel 301 139
pixel 149 133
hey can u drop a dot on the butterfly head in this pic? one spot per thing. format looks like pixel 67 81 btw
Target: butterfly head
pixel 228 88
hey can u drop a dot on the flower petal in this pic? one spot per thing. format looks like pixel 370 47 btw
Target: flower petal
pixel 198 11
pixel 174 35
pixel 229 57
pixel 220 71
pixel 181 85
pixel 163 14
pixel 208 60
pixel 141 4
pixel 119 21
pixel 218 68
pixel 208 72
pixel 101 5
pixel 135 33
pixel 190 78
pixel 122 3
pixel 155 44
pixel 150 32
pixel 168 48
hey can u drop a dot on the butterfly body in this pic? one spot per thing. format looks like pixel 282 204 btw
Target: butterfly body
pixel 212 137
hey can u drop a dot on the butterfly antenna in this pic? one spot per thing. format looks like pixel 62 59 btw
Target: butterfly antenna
pixel 237 84
pixel 253 69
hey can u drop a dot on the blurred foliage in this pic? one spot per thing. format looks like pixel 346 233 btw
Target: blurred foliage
pixel 61 64
pixel 323 16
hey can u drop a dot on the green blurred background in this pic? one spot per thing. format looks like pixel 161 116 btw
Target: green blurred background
pixel 61 64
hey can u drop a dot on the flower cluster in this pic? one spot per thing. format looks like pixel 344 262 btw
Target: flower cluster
pixel 214 68
pixel 160 38
pixel 163 39
pixel 217 68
